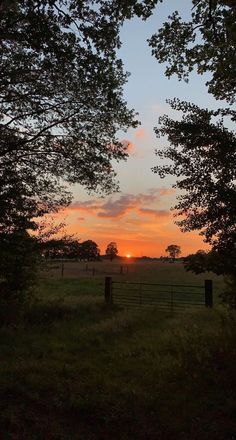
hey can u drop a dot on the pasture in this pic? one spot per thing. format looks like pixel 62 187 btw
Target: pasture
pixel 77 369
pixel 131 271
pixel 127 271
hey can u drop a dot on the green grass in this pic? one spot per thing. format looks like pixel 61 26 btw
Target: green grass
pixel 138 271
pixel 77 369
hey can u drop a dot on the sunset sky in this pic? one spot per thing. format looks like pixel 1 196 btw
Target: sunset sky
pixel 138 218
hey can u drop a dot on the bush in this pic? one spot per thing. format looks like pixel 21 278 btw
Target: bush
pixel 18 260
pixel 228 295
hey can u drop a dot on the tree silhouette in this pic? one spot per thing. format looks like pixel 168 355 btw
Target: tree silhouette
pixel 111 250
pixel 61 105
pixel 202 147
pixel 88 250
pixel 203 153
pixel 173 250
pixel 206 41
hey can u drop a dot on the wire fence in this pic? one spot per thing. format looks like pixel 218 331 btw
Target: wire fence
pixel 164 296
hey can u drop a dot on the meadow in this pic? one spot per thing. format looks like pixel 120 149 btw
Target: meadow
pixel 75 368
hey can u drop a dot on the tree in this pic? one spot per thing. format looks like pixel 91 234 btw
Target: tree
pixel 64 247
pixel 22 200
pixel 61 105
pixel 18 259
pixel 61 100
pixel 202 149
pixel 207 41
pixel 173 250
pixel 111 250
pixel 19 251
pixel 89 251
pixel 204 162
pixel 219 263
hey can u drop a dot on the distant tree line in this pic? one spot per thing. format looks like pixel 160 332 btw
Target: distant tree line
pixel 69 248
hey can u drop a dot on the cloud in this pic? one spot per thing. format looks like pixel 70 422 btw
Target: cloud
pixel 140 133
pixel 127 202
pixel 155 212
pixel 129 146
pixel 87 206
pixel 117 207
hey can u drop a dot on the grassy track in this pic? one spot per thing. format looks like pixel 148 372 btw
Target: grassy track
pixel 78 370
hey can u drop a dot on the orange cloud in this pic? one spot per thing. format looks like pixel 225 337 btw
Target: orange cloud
pixel 114 207
pixel 155 212
pixel 128 146
pixel 140 133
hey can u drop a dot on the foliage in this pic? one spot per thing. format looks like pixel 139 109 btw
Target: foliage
pixel 211 261
pixel 203 150
pixel 204 162
pixel 19 258
pixel 173 250
pixel 61 104
pixel 61 98
pixel 228 295
pixel 65 247
pixel 219 263
pixel 22 200
pixel 89 251
pixel 207 41
pixel 111 250
pixel 197 263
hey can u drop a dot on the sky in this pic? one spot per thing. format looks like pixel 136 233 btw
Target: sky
pixel 139 218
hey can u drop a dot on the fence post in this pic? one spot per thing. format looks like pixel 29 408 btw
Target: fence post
pixel 62 270
pixel 108 290
pixel 208 293
pixel 121 270
pixel 93 271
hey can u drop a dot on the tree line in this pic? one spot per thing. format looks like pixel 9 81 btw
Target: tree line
pixel 70 248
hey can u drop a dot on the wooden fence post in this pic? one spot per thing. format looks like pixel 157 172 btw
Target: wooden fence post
pixel 108 290
pixel 62 270
pixel 208 293
pixel 121 270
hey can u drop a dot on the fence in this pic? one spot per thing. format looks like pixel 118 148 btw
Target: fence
pixel 117 270
pixel 168 297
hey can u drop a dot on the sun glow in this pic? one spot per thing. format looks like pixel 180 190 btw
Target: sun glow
pixel 128 256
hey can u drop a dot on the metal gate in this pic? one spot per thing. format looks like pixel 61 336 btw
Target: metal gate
pixel 164 296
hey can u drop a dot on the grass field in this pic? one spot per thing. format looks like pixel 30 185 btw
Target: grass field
pixel 133 271
pixel 76 369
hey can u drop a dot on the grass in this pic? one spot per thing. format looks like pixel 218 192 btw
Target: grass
pixel 77 369
pixel 138 271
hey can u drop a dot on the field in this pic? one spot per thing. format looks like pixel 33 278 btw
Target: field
pixel 77 369
pixel 131 271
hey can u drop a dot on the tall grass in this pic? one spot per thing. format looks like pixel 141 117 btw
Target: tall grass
pixel 77 369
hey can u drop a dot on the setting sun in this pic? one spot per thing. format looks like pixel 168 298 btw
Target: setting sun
pixel 128 256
